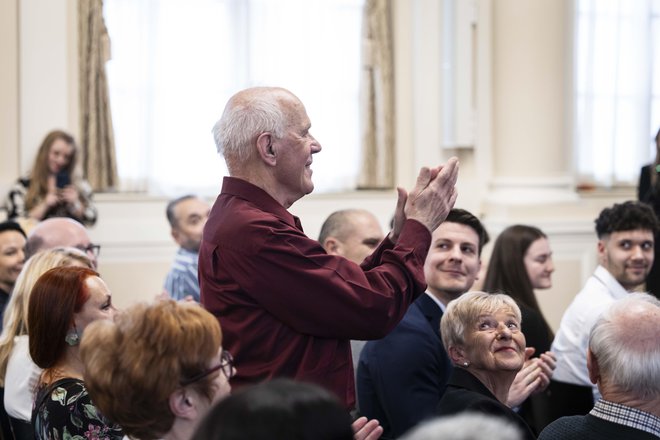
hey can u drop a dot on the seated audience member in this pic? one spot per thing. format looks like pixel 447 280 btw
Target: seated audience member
pixel 401 377
pixel 63 302
pixel 187 216
pixel 53 188
pixel 624 361
pixel 279 409
pixel 12 257
pixel 465 426
pixel 157 368
pixel 61 232
pixel 481 333
pixel 625 255
pixel 18 374
pixel 354 234
pixel 520 262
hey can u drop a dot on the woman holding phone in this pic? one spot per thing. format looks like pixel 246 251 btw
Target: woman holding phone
pixel 52 188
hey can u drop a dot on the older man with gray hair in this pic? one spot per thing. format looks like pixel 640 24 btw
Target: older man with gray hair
pixel 287 307
pixel 624 361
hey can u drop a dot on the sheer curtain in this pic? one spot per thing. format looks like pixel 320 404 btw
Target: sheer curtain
pixel 617 88
pixel 176 63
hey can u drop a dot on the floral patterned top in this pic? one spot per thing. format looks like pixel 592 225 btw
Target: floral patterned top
pixel 64 411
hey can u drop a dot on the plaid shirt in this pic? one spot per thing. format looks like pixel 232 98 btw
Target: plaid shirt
pixel 627 416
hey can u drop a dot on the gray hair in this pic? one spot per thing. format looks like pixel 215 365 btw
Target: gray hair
pixel 464 311
pixel 248 114
pixel 624 340
pixel 465 426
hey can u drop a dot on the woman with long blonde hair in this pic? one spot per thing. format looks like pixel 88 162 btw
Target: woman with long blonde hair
pixel 18 374
pixel 53 188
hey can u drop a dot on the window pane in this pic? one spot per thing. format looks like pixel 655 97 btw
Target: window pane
pixel 176 63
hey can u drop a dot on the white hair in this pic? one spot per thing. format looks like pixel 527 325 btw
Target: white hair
pixel 463 312
pixel 465 426
pixel 248 114
pixel 624 341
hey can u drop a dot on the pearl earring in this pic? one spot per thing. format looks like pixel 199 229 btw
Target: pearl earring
pixel 466 364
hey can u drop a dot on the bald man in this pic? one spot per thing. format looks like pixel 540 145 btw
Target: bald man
pixel 351 233
pixel 61 231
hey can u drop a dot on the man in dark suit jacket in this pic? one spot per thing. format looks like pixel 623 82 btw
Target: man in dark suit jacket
pixel 622 360
pixel 401 377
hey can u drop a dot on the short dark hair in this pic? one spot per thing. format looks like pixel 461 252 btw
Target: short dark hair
pixel 626 216
pixel 11 226
pixel 279 409
pixel 466 218
pixel 171 206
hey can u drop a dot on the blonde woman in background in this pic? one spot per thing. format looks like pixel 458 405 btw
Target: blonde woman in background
pixel 52 189
pixel 18 374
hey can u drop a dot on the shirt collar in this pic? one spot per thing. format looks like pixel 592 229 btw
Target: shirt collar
pixel 252 193
pixel 627 416
pixel 604 276
pixel 437 301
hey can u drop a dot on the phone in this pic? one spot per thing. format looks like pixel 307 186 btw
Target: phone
pixel 62 179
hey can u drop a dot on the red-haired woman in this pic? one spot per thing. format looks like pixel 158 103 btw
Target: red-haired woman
pixel 52 188
pixel 64 301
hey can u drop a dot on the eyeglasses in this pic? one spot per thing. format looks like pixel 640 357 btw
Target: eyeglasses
pixel 226 365
pixel 95 249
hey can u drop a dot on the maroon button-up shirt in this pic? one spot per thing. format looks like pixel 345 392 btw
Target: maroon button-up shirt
pixel 286 307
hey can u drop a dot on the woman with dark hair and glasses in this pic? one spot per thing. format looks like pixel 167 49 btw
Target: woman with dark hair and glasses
pixel 157 369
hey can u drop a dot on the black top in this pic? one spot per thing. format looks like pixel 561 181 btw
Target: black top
pixel 467 393
pixel 64 410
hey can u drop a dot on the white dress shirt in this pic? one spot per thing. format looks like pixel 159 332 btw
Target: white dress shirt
pixel 572 339
pixel 20 380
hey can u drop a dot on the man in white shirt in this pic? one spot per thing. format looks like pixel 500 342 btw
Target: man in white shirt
pixel 625 255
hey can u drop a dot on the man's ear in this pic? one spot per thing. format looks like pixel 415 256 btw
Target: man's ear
pixel 176 235
pixel 332 246
pixel 183 404
pixel 601 249
pixel 592 367
pixel 267 152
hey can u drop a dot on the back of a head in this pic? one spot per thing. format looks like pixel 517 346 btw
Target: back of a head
pixel 465 426
pixel 134 364
pixel 626 216
pixel 56 296
pixel 54 232
pixel 506 268
pixel 624 340
pixel 280 409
